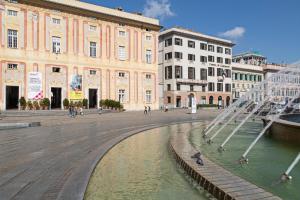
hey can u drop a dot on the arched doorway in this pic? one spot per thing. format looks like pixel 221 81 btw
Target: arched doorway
pixel 220 104
pixel 227 101
pixel 191 97
pixel 178 102
pixel 211 100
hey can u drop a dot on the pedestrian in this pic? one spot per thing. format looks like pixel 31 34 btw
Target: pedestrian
pixel 166 108
pixel 80 111
pixel 70 111
pixel 145 111
pixel 149 109
pixel 100 110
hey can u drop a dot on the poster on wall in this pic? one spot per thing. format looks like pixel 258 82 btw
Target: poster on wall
pixel 76 92
pixel 35 89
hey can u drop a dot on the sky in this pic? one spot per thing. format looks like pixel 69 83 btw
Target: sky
pixel 271 27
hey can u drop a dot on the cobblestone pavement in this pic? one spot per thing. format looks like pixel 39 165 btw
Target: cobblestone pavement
pixel 55 161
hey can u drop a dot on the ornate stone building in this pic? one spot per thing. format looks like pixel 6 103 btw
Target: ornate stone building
pixel 70 49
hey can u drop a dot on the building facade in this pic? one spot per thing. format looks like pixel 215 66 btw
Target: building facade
pixel 247 70
pixel 75 50
pixel 194 66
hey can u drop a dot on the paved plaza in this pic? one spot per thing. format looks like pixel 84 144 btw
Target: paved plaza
pixel 55 160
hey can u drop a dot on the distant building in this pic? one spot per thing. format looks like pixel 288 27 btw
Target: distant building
pixel 70 49
pixel 247 69
pixel 194 66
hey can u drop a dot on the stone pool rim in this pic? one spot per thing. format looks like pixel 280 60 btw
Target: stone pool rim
pixel 216 184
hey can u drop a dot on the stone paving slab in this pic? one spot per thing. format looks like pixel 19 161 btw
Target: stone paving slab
pixel 55 160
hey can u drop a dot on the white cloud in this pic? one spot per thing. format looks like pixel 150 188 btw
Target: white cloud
pixel 158 9
pixel 234 33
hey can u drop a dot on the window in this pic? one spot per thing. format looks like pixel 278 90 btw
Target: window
pixel 148 96
pixel 122 53
pixel 191 44
pixel 219 49
pixel 56 44
pixel 219 72
pixel 56 69
pixel 178 87
pixel 233 85
pixel 168 72
pixel 122 33
pixel 168 56
pixel 12 39
pixel 228 73
pixel 211 100
pixel 148 76
pixel 236 76
pixel 227 87
pixel 121 95
pixel 219 60
pixel 55 21
pixel 12 12
pixel 93 49
pixel 168 42
pixel 169 99
pixel 93 72
pixel 121 74
pixel 203 88
pixel 93 28
pixel 203 46
pixel 254 78
pixel 259 78
pixel 191 57
pixel 191 88
pixel 178 71
pixel 203 74
pixel 169 87
pixel 227 51
pixel 211 59
pixel 178 41
pixel 211 48
pixel 148 37
pixel 241 77
pixel 246 77
pixel 191 73
pixel 178 55
pixel 227 61
pixel 211 71
pixel 211 87
pixel 203 59
pixel 12 66
pixel 220 87
pixel 149 56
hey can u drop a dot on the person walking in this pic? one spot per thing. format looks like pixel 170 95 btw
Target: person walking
pixel 100 110
pixel 145 111
pixel 149 109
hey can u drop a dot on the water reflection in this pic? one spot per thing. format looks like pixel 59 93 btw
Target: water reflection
pixel 141 167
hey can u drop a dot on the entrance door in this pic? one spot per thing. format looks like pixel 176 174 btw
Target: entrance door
pixel 56 98
pixel 178 102
pixel 12 97
pixel 93 98
pixel 191 97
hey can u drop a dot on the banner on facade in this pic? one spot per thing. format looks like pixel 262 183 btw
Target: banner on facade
pixel 35 89
pixel 194 105
pixel 76 92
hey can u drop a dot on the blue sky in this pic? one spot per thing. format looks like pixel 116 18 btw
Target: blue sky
pixel 271 27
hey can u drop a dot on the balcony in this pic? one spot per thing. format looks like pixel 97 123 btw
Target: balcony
pixel 191 81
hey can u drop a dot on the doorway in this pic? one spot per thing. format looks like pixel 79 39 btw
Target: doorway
pixel 55 98
pixel 93 98
pixel 178 102
pixel 12 97
pixel 191 97
pixel 227 101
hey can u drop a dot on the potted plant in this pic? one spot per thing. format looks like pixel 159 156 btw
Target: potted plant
pixel 85 103
pixel 23 103
pixel 29 105
pixel 66 103
pixel 79 104
pixel 42 105
pixel 36 105
pixel 46 103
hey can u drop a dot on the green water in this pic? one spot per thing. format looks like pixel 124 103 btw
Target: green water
pixel 267 160
pixel 141 167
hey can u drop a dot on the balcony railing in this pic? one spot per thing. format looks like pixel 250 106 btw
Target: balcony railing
pixel 191 81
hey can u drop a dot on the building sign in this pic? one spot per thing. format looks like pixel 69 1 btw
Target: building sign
pixel 35 89
pixel 194 105
pixel 76 92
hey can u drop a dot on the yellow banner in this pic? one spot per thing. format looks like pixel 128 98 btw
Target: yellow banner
pixel 76 95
